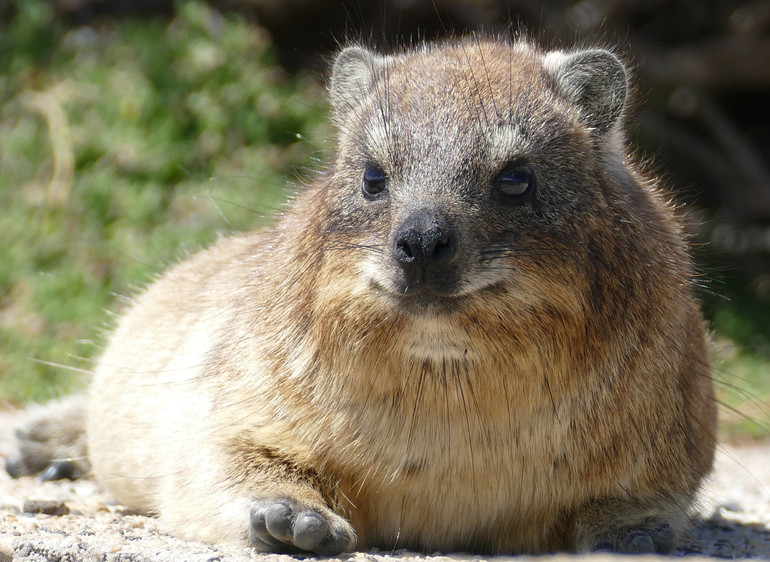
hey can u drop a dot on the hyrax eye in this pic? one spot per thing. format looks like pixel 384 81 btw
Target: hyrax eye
pixel 516 182
pixel 374 182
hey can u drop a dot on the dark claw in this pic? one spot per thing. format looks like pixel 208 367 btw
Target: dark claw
pixel 61 470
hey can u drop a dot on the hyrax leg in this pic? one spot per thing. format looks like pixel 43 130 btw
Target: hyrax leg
pixel 263 494
pixel 628 526
pixel 51 441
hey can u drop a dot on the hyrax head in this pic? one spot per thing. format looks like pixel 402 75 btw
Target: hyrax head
pixel 469 167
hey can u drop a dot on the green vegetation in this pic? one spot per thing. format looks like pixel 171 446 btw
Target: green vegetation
pixel 125 145
pixel 122 147
pixel 739 314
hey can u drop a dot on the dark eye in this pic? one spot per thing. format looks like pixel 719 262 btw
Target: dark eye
pixel 374 182
pixel 516 181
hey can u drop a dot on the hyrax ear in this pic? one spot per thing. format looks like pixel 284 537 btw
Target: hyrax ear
pixel 596 82
pixel 355 70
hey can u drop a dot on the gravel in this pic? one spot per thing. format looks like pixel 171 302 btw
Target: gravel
pixel 77 521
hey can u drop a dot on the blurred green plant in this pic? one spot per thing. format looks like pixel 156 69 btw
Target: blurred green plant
pixel 741 353
pixel 122 147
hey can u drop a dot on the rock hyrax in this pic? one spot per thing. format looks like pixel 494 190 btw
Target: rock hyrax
pixel 476 331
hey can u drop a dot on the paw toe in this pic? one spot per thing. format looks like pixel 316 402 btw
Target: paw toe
pixel 637 542
pixel 28 461
pixel 278 521
pixel 665 538
pixel 338 541
pixel 310 529
pixel 14 467
pixel 660 539
pixel 260 537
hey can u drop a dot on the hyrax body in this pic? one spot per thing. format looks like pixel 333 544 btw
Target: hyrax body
pixel 476 331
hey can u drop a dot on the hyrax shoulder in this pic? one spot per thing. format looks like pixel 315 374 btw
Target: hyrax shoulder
pixel 475 331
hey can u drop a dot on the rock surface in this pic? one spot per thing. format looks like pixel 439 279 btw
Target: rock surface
pixel 735 520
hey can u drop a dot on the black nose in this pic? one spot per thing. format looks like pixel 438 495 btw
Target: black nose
pixel 424 240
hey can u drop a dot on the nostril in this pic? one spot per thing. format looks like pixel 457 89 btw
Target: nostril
pixel 405 250
pixel 443 250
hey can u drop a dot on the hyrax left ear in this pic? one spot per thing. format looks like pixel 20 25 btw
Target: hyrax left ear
pixel 355 71
pixel 595 81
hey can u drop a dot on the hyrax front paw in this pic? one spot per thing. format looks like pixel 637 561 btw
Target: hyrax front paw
pixel 631 527
pixel 51 441
pixel 282 525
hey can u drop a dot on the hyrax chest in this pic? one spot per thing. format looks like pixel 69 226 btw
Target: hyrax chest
pixel 455 448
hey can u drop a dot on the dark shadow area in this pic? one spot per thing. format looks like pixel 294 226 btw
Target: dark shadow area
pixel 720 537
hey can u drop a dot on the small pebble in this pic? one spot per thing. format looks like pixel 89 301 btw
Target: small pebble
pixel 47 507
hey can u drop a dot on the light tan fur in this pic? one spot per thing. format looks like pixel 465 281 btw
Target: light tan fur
pixel 556 394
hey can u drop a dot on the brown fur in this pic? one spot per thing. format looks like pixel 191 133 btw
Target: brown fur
pixel 550 389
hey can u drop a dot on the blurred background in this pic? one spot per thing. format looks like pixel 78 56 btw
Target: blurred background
pixel 133 132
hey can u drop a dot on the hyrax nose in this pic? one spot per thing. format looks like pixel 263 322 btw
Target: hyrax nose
pixel 424 240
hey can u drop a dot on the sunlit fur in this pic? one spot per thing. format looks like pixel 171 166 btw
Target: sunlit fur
pixel 550 392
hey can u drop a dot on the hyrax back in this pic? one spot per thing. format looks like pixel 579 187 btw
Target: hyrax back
pixel 476 331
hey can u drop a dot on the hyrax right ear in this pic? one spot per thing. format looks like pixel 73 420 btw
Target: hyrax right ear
pixel 355 70
pixel 595 81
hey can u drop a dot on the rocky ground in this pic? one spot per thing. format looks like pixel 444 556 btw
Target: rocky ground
pixel 76 521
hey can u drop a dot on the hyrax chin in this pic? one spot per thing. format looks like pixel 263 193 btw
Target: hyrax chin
pixel 475 332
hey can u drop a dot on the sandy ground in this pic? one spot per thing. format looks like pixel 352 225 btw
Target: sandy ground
pixel 77 521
